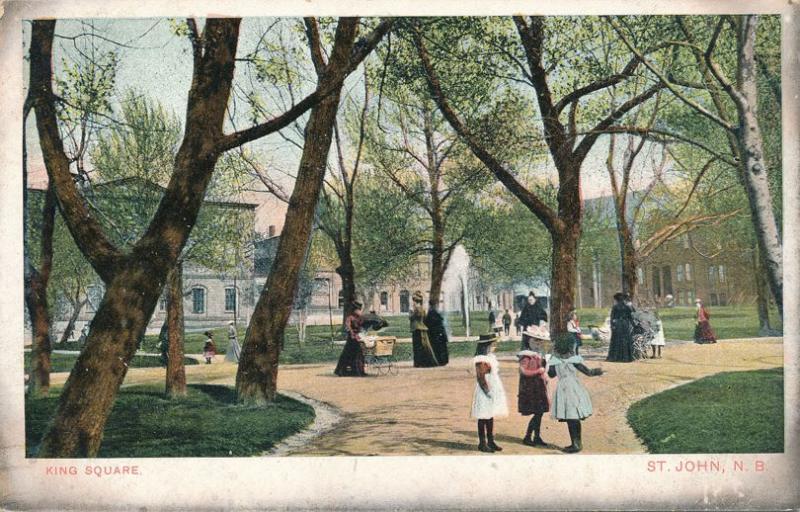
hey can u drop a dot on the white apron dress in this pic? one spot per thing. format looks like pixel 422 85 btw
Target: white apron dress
pixel 486 407
pixel 658 339
pixel 571 400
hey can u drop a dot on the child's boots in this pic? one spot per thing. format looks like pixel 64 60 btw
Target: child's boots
pixel 534 427
pixel 574 427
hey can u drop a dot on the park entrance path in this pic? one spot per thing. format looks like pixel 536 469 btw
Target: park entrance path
pixel 426 410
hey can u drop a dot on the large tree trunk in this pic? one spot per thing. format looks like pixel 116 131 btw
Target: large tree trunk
pixel 754 171
pixel 36 299
pixel 134 281
pixel 256 378
pixel 176 372
pixel 90 390
pixel 563 277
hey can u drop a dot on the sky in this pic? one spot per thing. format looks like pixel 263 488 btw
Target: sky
pixel 157 62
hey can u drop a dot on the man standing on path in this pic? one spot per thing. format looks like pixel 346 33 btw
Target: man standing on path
pixel 507 323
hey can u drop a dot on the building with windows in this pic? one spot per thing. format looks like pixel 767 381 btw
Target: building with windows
pixel 683 268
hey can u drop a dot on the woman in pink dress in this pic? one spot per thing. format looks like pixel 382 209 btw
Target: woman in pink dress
pixel 702 331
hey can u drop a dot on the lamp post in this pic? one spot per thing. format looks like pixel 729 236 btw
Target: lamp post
pixel 465 305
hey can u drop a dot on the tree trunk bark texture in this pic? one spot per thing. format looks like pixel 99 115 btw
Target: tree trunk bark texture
pixel 563 278
pixel 256 378
pixel 176 371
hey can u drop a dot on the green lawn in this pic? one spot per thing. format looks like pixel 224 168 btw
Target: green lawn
pixel 732 412
pixel 204 424
pixel 65 362
pixel 727 321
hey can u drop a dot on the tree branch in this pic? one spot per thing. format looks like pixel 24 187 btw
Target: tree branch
pixel 538 207
pixel 360 51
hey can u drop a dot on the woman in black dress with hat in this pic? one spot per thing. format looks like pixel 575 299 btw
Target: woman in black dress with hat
pixel 621 348
pixel 351 362
pixel 424 355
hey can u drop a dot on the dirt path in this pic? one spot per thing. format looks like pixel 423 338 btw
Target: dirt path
pixel 426 410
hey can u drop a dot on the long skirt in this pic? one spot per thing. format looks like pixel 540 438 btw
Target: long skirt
pixel 703 333
pixel 438 340
pixel 351 362
pixel 424 356
pixel 532 397
pixel 621 347
pixel 234 351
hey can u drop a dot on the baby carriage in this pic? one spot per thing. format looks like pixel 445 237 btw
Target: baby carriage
pixel 378 350
pixel 645 327
pixel 379 353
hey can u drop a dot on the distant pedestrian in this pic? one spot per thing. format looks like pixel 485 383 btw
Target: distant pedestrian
pixel 507 323
pixel 516 325
pixel 620 349
pixel 424 355
pixel 703 333
pixel 234 349
pixel 574 328
pixel 658 340
pixel 532 315
pixel 163 342
pixel 209 349
pixel 492 320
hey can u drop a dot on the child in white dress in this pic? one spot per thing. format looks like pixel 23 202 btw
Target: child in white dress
pixel 489 398
pixel 658 340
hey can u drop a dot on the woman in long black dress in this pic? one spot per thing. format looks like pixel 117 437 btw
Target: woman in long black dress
pixel 351 361
pixel 532 315
pixel 621 348
pixel 420 343
pixel 437 334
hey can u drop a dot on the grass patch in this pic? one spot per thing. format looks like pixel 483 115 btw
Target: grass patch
pixel 65 362
pixel 204 424
pixel 732 412
pixel 727 321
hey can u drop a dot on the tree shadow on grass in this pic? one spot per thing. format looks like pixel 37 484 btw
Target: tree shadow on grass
pixel 222 394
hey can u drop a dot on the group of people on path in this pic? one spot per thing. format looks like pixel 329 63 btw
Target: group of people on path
pixel 570 404
pixel 621 348
pixel 428 339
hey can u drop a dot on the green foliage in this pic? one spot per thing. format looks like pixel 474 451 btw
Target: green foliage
pixel 206 423
pixel 731 412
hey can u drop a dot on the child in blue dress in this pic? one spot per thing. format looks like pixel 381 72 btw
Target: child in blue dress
pixel 571 402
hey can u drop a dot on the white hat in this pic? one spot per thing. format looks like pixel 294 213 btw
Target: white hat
pixel 230 322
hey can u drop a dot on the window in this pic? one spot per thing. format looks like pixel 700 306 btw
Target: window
pixel 640 274
pixel 404 301
pixel 690 297
pixel 679 273
pixel 230 299
pixel 384 300
pixel 714 300
pixel 685 240
pixel 198 301
pixel 723 299
pixel 656 282
pixel 679 297
pixel 341 299
pixel 721 273
pixel 712 274
pixel 687 272
pixel 271 231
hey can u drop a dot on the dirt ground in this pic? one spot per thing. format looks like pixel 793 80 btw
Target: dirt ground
pixel 425 411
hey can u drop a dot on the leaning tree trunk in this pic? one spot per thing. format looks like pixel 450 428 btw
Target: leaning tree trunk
pixel 176 371
pixel 90 390
pixel 77 306
pixel 256 378
pixel 562 277
pixel 755 172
